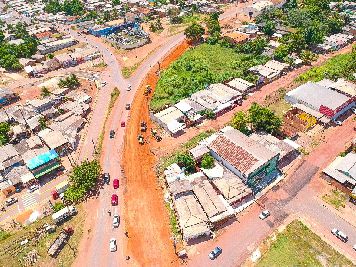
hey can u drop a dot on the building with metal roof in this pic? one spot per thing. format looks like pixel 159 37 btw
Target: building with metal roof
pixel 343 170
pixel 44 163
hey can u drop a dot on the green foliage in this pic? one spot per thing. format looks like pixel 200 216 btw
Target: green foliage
pixel 82 180
pixel 116 2
pixel 69 7
pixel 340 66
pixel 269 28
pixel 240 121
pixel 58 206
pixel 4 234
pixel 212 23
pixel 187 162
pixel 208 113
pixel 194 32
pixel 45 92
pixel 199 67
pixel 263 119
pixel 43 122
pixel 4 133
pixel 281 52
pixel 207 162
pixel 307 56
pixel 71 82
pixel 156 25
pixel 255 46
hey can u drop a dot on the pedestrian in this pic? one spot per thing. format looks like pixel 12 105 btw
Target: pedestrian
pixel 109 212
pixel 127 234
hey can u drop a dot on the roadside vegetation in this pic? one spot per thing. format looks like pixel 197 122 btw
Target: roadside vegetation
pixel 297 245
pixel 340 66
pixel 70 82
pixel 4 133
pixel 336 198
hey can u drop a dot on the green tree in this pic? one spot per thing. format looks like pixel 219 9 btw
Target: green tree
pixel 83 179
pixel 70 82
pixel 156 26
pixel 194 32
pixel 187 162
pixel 208 113
pixel 269 28
pixel 43 123
pixel 240 122
pixel 213 25
pixel 116 2
pixel 45 92
pixel 4 133
pixel 255 46
pixel 53 6
pixel 307 56
pixel 264 119
pixel 281 52
pixel 207 162
pixel 58 206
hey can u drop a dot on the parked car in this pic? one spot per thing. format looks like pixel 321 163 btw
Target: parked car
pixel 215 253
pixel 11 201
pixel 106 178
pixel 127 106
pixel 116 221
pixel 264 214
pixel 112 134
pixel 112 245
pixel 339 123
pixel 123 124
pixel 114 200
pixel 340 235
pixel 129 87
pixel 354 110
pixel 33 188
pixel 116 183
pixel 354 247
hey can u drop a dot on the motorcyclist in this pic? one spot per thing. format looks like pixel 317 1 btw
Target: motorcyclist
pixel 109 212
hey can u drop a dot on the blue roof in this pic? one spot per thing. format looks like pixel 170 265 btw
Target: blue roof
pixel 41 159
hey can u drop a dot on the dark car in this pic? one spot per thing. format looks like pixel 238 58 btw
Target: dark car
pixel 127 106
pixel 106 178
pixel 114 200
pixel 215 253
pixel 112 134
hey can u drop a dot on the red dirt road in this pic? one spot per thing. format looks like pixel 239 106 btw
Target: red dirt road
pixel 146 218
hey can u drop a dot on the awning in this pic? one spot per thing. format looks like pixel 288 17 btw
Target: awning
pixel 47 169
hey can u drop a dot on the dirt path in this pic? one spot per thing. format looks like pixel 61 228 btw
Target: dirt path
pixel 147 220
pixel 170 144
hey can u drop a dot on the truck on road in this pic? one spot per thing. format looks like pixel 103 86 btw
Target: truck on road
pixel 63 214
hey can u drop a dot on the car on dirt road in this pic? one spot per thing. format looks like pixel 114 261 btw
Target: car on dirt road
pixel 112 134
pixel 264 214
pixel 129 87
pixel 11 201
pixel 116 183
pixel 115 221
pixel 33 188
pixel 354 247
pixel 112 245
pixel 215 253
pixel 106 177
pixel 127 106
pixel 123 124
pixel 114 200
pixel 340 235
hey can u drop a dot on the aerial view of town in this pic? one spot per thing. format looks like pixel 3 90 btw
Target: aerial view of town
pixel 177 133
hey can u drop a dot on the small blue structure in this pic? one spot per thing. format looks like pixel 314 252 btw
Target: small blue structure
pixel 103 31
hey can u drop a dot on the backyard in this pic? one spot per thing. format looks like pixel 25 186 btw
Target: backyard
pixel 297 245
pixel 199 67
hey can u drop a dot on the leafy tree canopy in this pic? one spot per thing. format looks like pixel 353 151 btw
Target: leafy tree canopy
pixel 207 162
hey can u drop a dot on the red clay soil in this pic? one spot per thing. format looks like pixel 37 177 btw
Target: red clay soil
pixel 146 217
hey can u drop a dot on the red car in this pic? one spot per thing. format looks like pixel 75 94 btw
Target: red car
pixel 122 124
pixel 115 183
pixel 114 200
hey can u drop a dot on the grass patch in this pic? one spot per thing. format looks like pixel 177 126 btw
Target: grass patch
pixel 199 67
pixel 340 66
pixel 297 245
pixel 336 198
pixel 173 222
pixel 127 71
pixel 170 159
pixel 12 253
pixel 113 97
pixel 4 234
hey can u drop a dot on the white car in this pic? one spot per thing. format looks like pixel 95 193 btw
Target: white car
pixel 339 123
pixel 354 110
pixel 354 247
pixel 113 246
pixel 129 87
pixel 340 235
pixel 115 221
pixel 264 214
pixel 33 188
pixel 11 201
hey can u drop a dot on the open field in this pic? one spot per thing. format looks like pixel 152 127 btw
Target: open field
pixel 299 246
pixel 12 253
pixel 199 67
